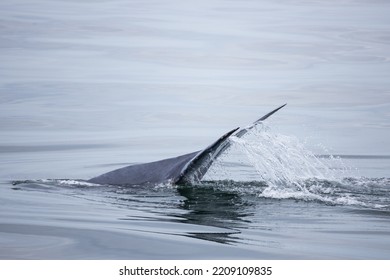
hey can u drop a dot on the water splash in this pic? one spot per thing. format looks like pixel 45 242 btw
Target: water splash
pixel 286 169
pixel 278 159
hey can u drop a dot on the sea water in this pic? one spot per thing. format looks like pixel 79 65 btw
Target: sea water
pixel 88 87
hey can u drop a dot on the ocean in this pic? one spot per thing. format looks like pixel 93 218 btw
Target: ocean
pixel 92 86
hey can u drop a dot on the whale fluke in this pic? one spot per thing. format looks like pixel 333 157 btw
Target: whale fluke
pixel 195 169
pixel 186 169
pixel 263 118
pixel 243 131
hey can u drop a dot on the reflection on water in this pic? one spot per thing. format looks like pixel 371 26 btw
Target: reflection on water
pixel 218 208
pixel 220 213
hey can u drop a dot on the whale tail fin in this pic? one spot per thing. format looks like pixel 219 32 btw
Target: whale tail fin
pixel 269 114
pixel 245 130
pixel 197 167
pixel 186 169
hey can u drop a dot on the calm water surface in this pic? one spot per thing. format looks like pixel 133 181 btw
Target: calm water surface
pixel 89 87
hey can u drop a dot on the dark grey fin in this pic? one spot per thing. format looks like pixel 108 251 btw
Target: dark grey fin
pixel 196 168
pixel 269 114
pixel 243 131
pixel 185 169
